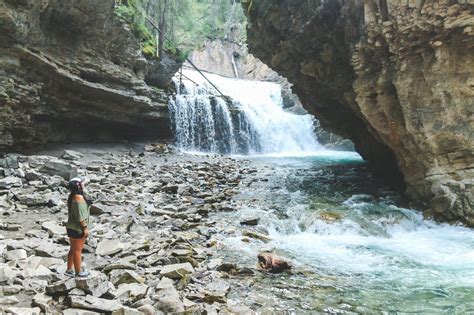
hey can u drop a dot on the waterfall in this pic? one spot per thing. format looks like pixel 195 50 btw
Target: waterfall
pixel 251 121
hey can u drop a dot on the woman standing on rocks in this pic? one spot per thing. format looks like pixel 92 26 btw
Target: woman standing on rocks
pixel 77 227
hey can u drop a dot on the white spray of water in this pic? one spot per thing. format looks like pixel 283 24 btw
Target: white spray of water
pixel 254 121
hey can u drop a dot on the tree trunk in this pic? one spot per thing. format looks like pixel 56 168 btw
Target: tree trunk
pixel 162 27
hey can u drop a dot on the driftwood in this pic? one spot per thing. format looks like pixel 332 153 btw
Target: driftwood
pixel 273 263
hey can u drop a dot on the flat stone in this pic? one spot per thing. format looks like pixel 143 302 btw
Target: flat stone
pixel 109 247
pixel 9 182
pixel 7 300
pixel 23 310
pixel 127 311
pixel 60 168
pixel 256 235
pixel 177 271
pixel 71 155
pixel 10 226
pixel 93 303
pixel 10 289
pixel 15 255
pixel 167 297
pixel 77 311
pixel 53 228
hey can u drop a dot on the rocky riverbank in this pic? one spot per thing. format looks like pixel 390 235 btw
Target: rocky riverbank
pixel 152 239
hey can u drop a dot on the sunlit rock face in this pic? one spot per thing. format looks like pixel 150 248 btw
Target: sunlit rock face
pixel 393 76
pixel 71 71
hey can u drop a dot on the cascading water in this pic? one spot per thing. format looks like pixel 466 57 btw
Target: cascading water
pixel 251 121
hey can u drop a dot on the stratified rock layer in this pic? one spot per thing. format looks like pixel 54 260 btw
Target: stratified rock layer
pixel 71 71
pixel 393 76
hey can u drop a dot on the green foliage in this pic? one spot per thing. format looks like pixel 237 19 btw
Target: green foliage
pixel 189 23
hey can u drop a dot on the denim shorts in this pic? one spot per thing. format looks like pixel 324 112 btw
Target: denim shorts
pixel 74 234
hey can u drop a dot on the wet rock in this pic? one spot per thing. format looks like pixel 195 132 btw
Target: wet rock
pixel 9 182
pixel 250 221
pixel 256 235
pixel 93 303
pixel 273 263
pixel 60 168
pixel 108 247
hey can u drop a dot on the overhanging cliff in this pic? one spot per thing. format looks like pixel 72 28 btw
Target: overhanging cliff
pixel 72 71
pixel 394 77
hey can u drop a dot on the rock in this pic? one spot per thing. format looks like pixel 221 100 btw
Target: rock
pixel 60 168
pixel 127 311
pixel 10 161
pixel 256 235
pixel 170 188
pixel 273 263
pixel 15 255
pixel 108 247
pixel 227 267
pixel 120 276
pixel 6 273
pixel 72 155
pixel 43 301
pixel 95 284
pixel 61 287
pixel 216 291
pixel 132 291
pixel 92 303
pixel 10 289
pixel 10 226
pixel 7 300
pixel 78 311
pixel 167 297
pixel 214 263
pixel 98 209
pixel 23 311
pixel 147 309
pixel 9 182
pixel 53 228
pixel 177 271
pixel 250 221
pixel 118 266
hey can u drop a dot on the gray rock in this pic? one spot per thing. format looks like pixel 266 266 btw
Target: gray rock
pixel 53 228
pixel 15 255
pixel 9 182
pixel 93 303
pixel 250 221
pixel 60 168
pixel 43 301
pixel 127 311
pixel 132 291
pixel 109 247
pixel 61 287
pixel 23 311
pixel 177 271
pixel 10 226
pixel 95 284
pixel 8 300
pixel 71 155
pixel 10 161
pixel 147 309
pixel 77 311
pixel 120 276
pixel 167 297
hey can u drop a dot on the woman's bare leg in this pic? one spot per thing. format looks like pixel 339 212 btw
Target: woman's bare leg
pixel 77 253
pixel 70 261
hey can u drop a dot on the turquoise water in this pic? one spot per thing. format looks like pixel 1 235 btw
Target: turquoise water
pixel 355 245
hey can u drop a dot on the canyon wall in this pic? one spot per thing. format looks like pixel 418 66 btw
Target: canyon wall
pixel 72 71
pixel 395 77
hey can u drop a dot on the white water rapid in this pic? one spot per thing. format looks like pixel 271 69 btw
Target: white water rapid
pixel 253 121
